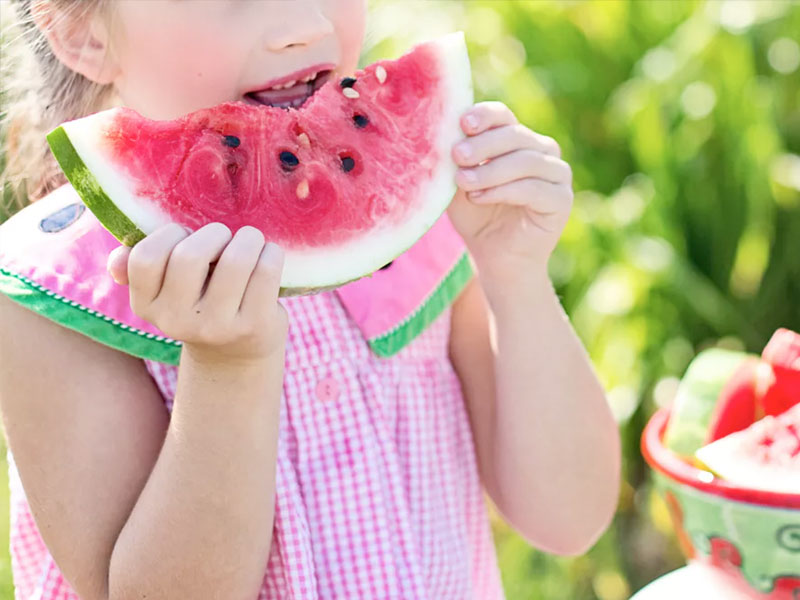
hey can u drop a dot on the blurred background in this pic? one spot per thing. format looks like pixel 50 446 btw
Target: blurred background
pixel 681 120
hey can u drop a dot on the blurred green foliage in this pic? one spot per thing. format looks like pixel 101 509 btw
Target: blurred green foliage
pixel 681 120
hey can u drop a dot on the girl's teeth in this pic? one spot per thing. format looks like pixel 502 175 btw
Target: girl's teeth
pixel 288 84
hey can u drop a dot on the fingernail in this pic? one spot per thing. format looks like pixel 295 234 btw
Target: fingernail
pixel 464 150
pixel 471 121
pixel 475 194
pixel 274 251
pixel 469 176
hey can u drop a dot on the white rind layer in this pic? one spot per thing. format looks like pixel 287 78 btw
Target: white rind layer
pixel 329 265
pixel 85 135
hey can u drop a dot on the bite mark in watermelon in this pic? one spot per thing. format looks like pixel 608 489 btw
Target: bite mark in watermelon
pixel 344 184
pixel 764 456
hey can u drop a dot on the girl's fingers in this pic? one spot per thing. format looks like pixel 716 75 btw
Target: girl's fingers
pixel 486 115
pixel 540 196
pixel 513 166
pixel 502 140
pixel 190 261
pixel 117 264
pixel 233 270
pixel 265 282
pixel 147 261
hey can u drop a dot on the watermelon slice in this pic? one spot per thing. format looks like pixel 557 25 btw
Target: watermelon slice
pixel 344 184
pixel 764 456
pixel 738 405
pixel 769 386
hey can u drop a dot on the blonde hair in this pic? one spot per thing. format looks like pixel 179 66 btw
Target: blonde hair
pixel 37 93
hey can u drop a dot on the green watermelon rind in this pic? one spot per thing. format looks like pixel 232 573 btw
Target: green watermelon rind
pixel 90 190
pixel 697 396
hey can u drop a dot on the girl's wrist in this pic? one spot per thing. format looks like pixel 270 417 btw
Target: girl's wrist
pixel 215 364
pixel 525 287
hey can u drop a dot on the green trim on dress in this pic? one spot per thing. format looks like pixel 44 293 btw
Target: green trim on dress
pixel 391 342
pixel 90 322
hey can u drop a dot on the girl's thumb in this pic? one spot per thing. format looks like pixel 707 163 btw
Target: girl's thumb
pixel 117 264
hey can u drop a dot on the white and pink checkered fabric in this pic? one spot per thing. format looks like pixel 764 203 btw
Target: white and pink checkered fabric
pixel 377 496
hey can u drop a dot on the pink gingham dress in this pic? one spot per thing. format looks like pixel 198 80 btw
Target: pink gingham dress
pixel 377 488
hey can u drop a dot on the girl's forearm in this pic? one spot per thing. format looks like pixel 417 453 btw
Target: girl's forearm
pixel 202 526
pixel 557 455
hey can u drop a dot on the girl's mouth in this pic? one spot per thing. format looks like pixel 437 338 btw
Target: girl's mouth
pixel 290 94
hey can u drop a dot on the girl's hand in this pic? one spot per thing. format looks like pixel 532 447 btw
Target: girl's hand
pixel 515 192
pixel 227 313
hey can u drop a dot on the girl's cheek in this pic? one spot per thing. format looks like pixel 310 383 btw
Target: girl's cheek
pixel 349 17
pixel 175 57
pixel 163 77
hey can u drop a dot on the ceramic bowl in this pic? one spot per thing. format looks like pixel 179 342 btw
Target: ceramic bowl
pixel 752 535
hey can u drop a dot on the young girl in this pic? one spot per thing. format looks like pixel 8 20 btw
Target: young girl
pixel 280 451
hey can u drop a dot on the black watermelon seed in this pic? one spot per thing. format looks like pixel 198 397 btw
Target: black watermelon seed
pixel 347 82
pixel 348 164
pixel 386 266
pixel 288 160
pixel 361 121
pixel 232 141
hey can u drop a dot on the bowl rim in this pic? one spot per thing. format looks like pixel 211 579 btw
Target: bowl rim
pixel 669 464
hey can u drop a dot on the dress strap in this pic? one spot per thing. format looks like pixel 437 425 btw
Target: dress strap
pixel 397 303
pixel 53 257
pixel 53 261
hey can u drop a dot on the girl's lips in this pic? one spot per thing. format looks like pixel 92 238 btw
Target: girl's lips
pixel 294 96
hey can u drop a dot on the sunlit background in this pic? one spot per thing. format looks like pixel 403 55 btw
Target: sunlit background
pixel 681 120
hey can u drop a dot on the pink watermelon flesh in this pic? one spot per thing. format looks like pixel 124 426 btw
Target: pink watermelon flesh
pixel 344 184
pixel 764 456
pixel 202 178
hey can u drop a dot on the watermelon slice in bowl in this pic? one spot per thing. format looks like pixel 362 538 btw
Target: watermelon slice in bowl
pixel 768 386
pixel 765 455
pixel 345 183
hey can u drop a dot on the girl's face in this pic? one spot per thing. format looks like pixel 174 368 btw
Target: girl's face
pixel 176 56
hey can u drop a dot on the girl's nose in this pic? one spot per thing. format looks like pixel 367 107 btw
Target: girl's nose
pixel 309 27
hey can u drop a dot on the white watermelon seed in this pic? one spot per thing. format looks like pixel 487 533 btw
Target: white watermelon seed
pixel 380 73
pixel 351 93
pixel 304 141
pixel 302 189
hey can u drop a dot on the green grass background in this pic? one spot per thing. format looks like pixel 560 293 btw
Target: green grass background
pixel 681 121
